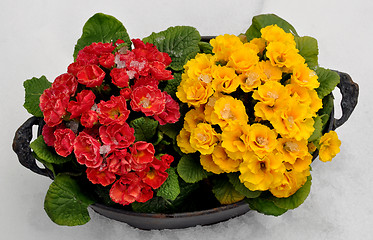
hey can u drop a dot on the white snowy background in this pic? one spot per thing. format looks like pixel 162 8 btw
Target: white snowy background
pixel 38 38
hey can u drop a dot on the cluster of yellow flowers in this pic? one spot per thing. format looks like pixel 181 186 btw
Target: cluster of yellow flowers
pixel 253 109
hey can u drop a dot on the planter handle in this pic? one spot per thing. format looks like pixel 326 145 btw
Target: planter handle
pixel 21 146
pixel 350 92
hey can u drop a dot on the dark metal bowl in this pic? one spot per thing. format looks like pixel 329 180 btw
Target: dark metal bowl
pixel 21 145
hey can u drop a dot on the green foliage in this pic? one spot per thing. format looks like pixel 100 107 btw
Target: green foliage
pixel 296 199
pixel 318 125
pixel 101 28
pixel 308 48
pixel 161 205
pixel 225 192
pixel 171 85
pixel 180 42
pixel 205 47
pixel 170 189
pixel 34 88
pixel 145 128
pixel 328 81
pixel 261 21
pixel 190 170
pixel 65 203
pixel 241 188
pixel 265 206
pixel 46 153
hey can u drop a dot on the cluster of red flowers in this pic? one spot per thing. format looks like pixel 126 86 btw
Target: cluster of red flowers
pixel 96 131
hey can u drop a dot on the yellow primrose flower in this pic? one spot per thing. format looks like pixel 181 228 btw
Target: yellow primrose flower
pixel 260 43
pixel 260 173
pixel 316 102
pixel 203 138
pixel 270 92
pixel 300 94
pixel 183 141
pixel 234 139
pixel 227 164
pixel 262 139
pixel 224 79
pixel 193 117
pixel 307 97
pixel 270 72
pixel 304 76
pixel 243 59
pixel 291 122
pixel 193 91
pixel 224 45
pixel 302 164
pixel 274 33
pixel 283 56
pixel 311 147
pixel 209 165
pixel 200 67
pixel 209 107
pixel 329 146
pixel 250 79
pixel 292 149
pixel 272 97
pixel 228 109
pixel 291 182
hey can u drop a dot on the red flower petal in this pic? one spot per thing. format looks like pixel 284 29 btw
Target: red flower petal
pixel 64 143
pixel 87 150
pixel 148 99
pixel 104 177
pixel 117 135
pixel 129 188
pixel 84 102
pixel 113 111
pixel 91 76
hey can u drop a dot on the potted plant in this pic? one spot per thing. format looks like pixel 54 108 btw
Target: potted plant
pixel 182 130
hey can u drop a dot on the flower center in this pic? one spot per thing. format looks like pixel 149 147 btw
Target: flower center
pixel 262 141
pixel 202 137
pixel 291 147
pixel 273 95
pixel 291 121
pixel 205 78
pixel 226 113
pixel 145 102
pixel 250 79
pixel 262 166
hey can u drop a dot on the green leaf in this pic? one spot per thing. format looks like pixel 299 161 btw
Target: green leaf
pixel 65 204
pixel 327 105
pixel 145 128
pixel 34 88
pixel 225 192
pixel 170 189
pixel 190 170
pixel 265 20
pixel 171 85
pixel 318 126
pixel 308 48
pixel 179 42
pixel 328 81
pixel 241 188
pixel 101 28
pixel 46 164
pixel 154 205
pixel 161 205
pixel 205 47
pixel 46 153
pixel 265 206
pixel 297 198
